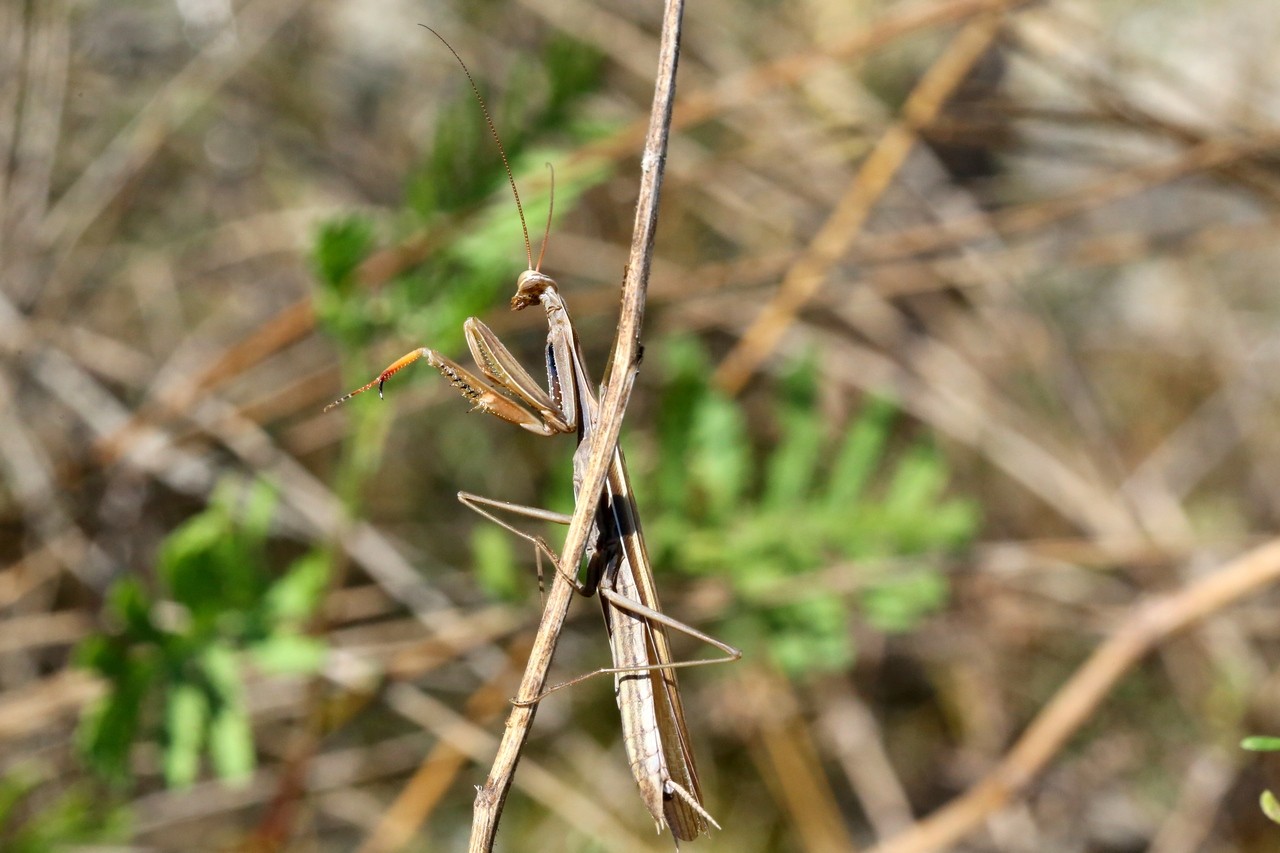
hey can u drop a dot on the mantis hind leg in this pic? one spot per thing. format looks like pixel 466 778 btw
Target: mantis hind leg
pixel 485 507
pixel 731 654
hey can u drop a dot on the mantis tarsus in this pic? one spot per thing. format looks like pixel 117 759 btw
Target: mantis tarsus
pixel 653 724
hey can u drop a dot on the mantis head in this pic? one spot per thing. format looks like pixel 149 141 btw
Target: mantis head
pixel 530 287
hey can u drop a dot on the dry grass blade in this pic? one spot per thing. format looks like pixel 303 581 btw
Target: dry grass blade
pixel 845 223
pixel 109 174
pixel 1147 625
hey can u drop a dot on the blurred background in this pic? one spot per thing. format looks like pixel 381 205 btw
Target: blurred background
pixel 960 350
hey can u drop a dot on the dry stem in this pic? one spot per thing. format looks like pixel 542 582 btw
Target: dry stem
pixel 845 223
pixel 1148 624
pixel 492 795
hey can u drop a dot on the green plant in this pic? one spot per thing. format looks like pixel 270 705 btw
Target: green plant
pixel 174 660
pixel 817 496
pixel 173 663
pixel 458 227
pixel 33 820
pixel 1258 743
pixel 454 238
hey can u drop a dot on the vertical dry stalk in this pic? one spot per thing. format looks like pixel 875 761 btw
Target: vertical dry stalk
pixel 493 794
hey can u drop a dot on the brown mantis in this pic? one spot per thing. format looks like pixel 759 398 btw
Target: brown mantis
pixel 654 730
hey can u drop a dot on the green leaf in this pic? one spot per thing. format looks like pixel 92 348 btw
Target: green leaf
pixel 186 715
pixel 793 464
pixel 954 524
pixel 1270 807
pixel 129 602
pixel 257 510
pixel 110 726
pixel 230 734
pixel 218 663
pixel 461 166
pixel 916 484
pixel 493 244
pixel 15 785
pixel 809 636
pixel 709 520
pixel 685 365
pixel 898 603
pixel 856 459
pixel 213 564
pixel 342 311
pixel 792 467
pixel 719 455
pixel 231 744
pixel 340 247
pixel 105 657
pixel 295 597
pixel 290 653
pixel 191 555
pixel 1261 743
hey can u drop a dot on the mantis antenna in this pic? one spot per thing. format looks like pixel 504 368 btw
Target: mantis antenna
pixel 551 206
pixel 493 131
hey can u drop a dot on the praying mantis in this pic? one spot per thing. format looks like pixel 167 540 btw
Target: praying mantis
pixel 618 570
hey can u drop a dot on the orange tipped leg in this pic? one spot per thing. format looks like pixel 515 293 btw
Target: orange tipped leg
pixel 395 367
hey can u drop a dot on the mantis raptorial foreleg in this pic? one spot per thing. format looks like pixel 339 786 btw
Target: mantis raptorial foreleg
pixel 507 391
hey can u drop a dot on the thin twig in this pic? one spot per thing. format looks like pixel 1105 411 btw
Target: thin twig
pixel 492 795
pixel 186 93
pixel 845 224
pixel 1148 624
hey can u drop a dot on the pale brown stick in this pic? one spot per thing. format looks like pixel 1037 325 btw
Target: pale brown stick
pixel 837 234
pixel 492 795
pixel 1149 623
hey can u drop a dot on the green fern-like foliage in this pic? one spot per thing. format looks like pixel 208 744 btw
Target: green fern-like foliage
pixel 772 520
